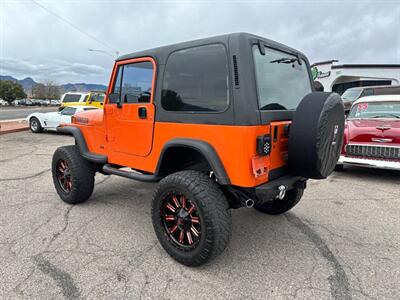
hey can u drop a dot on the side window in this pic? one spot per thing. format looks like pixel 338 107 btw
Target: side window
pixel 134 82
pixel 196 79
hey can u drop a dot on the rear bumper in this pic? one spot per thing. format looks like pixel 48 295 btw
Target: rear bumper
pixel 370 163
pixel 270 189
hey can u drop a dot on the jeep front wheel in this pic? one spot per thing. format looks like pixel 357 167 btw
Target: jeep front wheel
pixel 191 217
pixel 73 176
pixel 278 206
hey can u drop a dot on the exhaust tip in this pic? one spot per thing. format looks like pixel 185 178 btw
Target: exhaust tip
pixel 249 203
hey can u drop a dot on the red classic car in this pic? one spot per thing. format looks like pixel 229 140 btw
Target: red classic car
pixel 372 133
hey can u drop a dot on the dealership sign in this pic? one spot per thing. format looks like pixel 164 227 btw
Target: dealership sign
pixel 319 74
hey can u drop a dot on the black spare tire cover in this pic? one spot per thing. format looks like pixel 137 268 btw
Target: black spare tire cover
pixel 316 135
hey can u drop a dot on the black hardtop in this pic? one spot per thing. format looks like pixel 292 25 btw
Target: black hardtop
pixel 160 54
pixel 243 106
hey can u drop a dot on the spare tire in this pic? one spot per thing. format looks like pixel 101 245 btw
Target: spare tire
pixel 316 135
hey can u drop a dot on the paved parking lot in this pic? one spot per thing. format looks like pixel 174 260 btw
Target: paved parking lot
pixel 21 112
pixel 341 242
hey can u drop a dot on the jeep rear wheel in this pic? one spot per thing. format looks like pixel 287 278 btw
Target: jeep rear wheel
pixel 278 206
pixel 73 176
pixel 191 217
pixel 34 125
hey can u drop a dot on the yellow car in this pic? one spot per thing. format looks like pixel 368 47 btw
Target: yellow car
pixel 95 99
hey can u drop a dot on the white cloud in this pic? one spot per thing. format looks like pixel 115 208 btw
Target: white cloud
pixel 36 43
pixel 51 70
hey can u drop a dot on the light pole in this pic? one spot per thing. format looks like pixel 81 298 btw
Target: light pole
pixel 115 55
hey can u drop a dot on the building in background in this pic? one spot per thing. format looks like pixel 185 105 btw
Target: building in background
pixel 338 78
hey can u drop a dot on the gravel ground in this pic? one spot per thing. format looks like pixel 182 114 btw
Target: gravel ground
pixel 341 242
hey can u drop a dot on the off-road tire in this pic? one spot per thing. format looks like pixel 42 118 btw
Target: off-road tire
pixel 82 175
pixel 34 125
pixel 277 206
pixel 213 211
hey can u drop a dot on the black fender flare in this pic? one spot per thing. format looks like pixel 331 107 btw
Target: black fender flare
pixel 81 143
pixel 203 148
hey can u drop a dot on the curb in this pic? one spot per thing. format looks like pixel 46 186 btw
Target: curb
pixel 10 126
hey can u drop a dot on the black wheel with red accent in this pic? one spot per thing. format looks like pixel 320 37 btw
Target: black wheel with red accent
pixel 73 176
pixel 191 217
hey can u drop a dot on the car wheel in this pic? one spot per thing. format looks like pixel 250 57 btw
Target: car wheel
pixel 73 176
pixel 278 206
pixel 191 217
pixel 34 125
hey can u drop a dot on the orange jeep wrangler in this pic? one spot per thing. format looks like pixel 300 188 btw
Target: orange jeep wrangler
pixel 223 122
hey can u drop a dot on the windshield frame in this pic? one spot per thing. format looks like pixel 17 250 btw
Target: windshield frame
pixel 284 51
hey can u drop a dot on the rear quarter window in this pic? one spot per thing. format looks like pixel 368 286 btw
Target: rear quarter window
pixel 196 80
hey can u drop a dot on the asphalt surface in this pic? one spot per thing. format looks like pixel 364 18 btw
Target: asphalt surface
pixel 12 113
pixel 342 241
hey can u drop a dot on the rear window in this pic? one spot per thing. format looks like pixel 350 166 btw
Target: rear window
pixel 196 80
pixel 72 98
pixel 281 80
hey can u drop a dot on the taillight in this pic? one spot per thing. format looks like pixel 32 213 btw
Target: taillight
pixel 263 146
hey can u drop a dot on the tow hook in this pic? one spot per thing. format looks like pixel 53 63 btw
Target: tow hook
pixel 282 192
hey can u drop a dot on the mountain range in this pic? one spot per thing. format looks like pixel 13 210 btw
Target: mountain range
pixel 27 83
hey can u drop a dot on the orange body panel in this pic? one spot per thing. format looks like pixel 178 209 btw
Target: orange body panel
pixel 137 143
pixel 235 145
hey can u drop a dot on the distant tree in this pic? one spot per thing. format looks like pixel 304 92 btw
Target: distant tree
pixel 39 91
pixel 53 91
pixel 48 90
pixel 10 91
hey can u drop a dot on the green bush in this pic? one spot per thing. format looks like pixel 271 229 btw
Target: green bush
pixel 10 90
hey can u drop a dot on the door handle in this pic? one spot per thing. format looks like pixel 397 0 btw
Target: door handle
pixel 142 112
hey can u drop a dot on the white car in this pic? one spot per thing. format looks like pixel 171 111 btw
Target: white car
pixel 50 120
